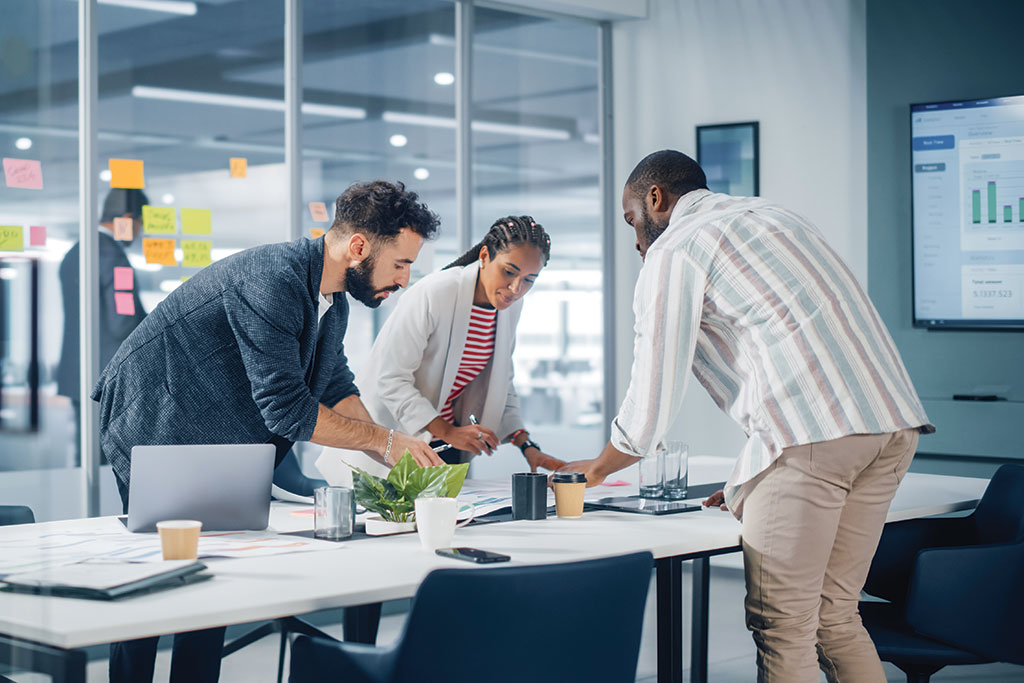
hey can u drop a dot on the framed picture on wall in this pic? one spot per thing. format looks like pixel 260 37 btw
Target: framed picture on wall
pixel 729 155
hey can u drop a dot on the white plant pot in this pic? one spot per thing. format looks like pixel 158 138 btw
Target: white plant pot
pixel 378 526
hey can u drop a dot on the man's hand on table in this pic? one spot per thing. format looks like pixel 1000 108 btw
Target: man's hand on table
pixel 587 467
pixel 716 499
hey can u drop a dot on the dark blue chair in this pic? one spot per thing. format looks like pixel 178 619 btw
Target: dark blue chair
pixel 16 514
pixel 954 586
pixel 565 622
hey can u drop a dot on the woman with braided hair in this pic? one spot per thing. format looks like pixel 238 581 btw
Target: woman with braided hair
pixel 441 367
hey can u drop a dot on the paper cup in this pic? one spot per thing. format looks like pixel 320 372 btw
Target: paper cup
pixel 179 538
pixel 569 488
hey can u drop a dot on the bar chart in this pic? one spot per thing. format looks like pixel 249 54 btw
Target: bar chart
pixel 996 195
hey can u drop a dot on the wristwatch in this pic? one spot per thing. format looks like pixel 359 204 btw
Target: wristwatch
pixel 529 444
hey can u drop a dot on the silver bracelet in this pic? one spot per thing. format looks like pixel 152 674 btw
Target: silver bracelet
pixel 387 451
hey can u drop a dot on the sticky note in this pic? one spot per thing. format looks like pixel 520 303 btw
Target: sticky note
pixel 319 211
pixel 185 278
pixel 124 303
pixel 37 236
pixel 195 221
pixel 11 238
pixel 159 251
pixel 123 229
pixel 24 173
pixel 238 167
pixel 316 233
pixel 127 173
pixel 124 277
pixel 197 253
pixel 159 219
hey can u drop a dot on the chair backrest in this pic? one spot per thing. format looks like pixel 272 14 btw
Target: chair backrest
pixel 565 622
pixel 999 517
pixel 16 514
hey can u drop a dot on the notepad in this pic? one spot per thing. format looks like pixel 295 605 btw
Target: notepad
pixel 104 580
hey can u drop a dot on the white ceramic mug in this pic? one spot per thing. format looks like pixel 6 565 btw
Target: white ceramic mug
pixel 435 521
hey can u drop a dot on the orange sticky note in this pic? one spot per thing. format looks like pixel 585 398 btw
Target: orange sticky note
pixel 37 235
pixel 124 303
pixel 319 211
pixel 124 277
pixel 159 251
pixel 238 167
pixel 316 233
pixel 23 173
pixel 127 173
pixel 12 238
pixel 123 229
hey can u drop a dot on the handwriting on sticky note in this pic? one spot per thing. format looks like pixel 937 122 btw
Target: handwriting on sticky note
pixel 319 211
pixel 124 303
pixel 159 251
pixel 197 253
pixel 159 219
pixel 123 229
pixel 195 221
pixel 37 235
pixel 26 174
pixel 124 277
pixel 12 238
pixel 238 167
pixel 316 233
pixel 127 173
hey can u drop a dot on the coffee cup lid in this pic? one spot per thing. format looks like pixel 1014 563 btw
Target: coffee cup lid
pixel 568 478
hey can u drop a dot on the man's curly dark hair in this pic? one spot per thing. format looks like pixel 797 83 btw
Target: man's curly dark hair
pixel 381 209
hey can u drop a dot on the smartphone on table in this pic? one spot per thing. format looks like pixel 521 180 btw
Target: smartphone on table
pixel 473 555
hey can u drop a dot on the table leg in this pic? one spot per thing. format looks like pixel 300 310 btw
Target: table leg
pixel 63 666
pixel 361 623
pixel 699 620
pixel 670 620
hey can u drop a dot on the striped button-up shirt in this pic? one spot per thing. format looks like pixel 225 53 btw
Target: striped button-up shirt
pixel 771 322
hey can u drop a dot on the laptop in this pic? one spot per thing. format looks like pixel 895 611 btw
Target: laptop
pixel 226 487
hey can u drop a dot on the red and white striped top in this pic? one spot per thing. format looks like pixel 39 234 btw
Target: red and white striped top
pixel 477 352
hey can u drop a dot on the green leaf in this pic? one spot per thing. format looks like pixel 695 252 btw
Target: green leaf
pixel 373 493
pixel 399 474
pixel 456 477
pixel 427 482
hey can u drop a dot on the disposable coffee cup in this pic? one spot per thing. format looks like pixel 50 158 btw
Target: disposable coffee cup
pixel 569 488
pixel 529 495
pixel 179 538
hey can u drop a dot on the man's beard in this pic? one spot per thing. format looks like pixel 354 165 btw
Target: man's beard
pixel 650 229
pixel 359 283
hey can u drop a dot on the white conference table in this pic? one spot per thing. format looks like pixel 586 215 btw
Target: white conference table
pixel 44 633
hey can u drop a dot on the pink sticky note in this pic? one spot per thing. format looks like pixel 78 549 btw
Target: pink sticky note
pixel 318 210
pixel 24 173
pixel 37 236
pixel 618 482
pixel 124 277
pixel 124 303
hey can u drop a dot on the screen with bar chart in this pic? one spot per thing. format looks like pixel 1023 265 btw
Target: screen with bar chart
pixel 967 165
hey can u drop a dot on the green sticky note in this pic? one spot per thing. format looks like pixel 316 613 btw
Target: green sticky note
pixel 159 219
pixel 195 221
pixel 197 253
pixel 12 238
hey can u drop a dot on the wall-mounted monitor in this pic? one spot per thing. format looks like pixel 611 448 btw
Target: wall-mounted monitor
pixel 967 165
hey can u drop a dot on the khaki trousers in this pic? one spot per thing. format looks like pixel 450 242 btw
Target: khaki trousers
pixel 811 524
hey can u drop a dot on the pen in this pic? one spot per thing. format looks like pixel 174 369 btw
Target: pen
pixel 442 447
pixel 473 421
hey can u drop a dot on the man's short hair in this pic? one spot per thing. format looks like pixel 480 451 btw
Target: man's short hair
pixel 120 202
pixel 381 209
pixel 668 169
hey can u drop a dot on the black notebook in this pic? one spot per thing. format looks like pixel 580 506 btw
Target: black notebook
pixel 104 580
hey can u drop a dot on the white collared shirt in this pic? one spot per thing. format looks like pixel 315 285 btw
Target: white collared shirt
pixel 325 304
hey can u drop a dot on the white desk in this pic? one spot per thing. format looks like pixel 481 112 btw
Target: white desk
pixel 375 570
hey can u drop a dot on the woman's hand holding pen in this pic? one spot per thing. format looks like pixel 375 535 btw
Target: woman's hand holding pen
pixel 474 439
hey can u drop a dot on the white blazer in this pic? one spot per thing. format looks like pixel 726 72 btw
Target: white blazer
pixel 415 358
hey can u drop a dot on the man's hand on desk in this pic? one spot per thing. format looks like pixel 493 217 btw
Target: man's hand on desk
pixel 588 467
pixel 716 499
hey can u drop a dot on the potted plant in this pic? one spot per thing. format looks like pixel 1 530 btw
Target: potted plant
pixel 392 498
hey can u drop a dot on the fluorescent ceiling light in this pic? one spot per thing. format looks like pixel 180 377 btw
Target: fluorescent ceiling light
pixel 168 199
pixel 23 143
pixel 168 6
pixel 243 102
pixel 421 174
pixel 417 119
pixel 105 175
pixel 398 140
pixel 444 78
pixel 478 125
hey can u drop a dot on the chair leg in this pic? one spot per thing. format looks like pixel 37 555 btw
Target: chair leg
pixel 280 654
pixel 916 673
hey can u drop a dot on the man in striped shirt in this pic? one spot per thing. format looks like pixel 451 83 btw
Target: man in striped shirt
pixel 750 298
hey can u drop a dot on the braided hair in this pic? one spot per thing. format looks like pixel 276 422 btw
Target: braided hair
pixel 504 234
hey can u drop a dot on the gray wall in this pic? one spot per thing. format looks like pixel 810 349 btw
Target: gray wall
pixel 923 52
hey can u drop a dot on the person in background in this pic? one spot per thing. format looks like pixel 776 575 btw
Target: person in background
pixel 114 327
pixel 444 356
pixel 751 299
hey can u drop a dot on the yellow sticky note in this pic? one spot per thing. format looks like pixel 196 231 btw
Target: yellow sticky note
pixel 316 232
pixel 12 238
pixel 159 219
pixel 127 173
pixel 195 221
pixel 238 167
pixel 197 253
pixel 159 251
pixel 185 278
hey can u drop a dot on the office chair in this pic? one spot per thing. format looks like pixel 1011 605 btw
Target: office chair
pixel 954 585
pixel 564 622
pixel 16 514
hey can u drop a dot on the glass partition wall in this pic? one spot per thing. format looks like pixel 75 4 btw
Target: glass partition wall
pixel 197 92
